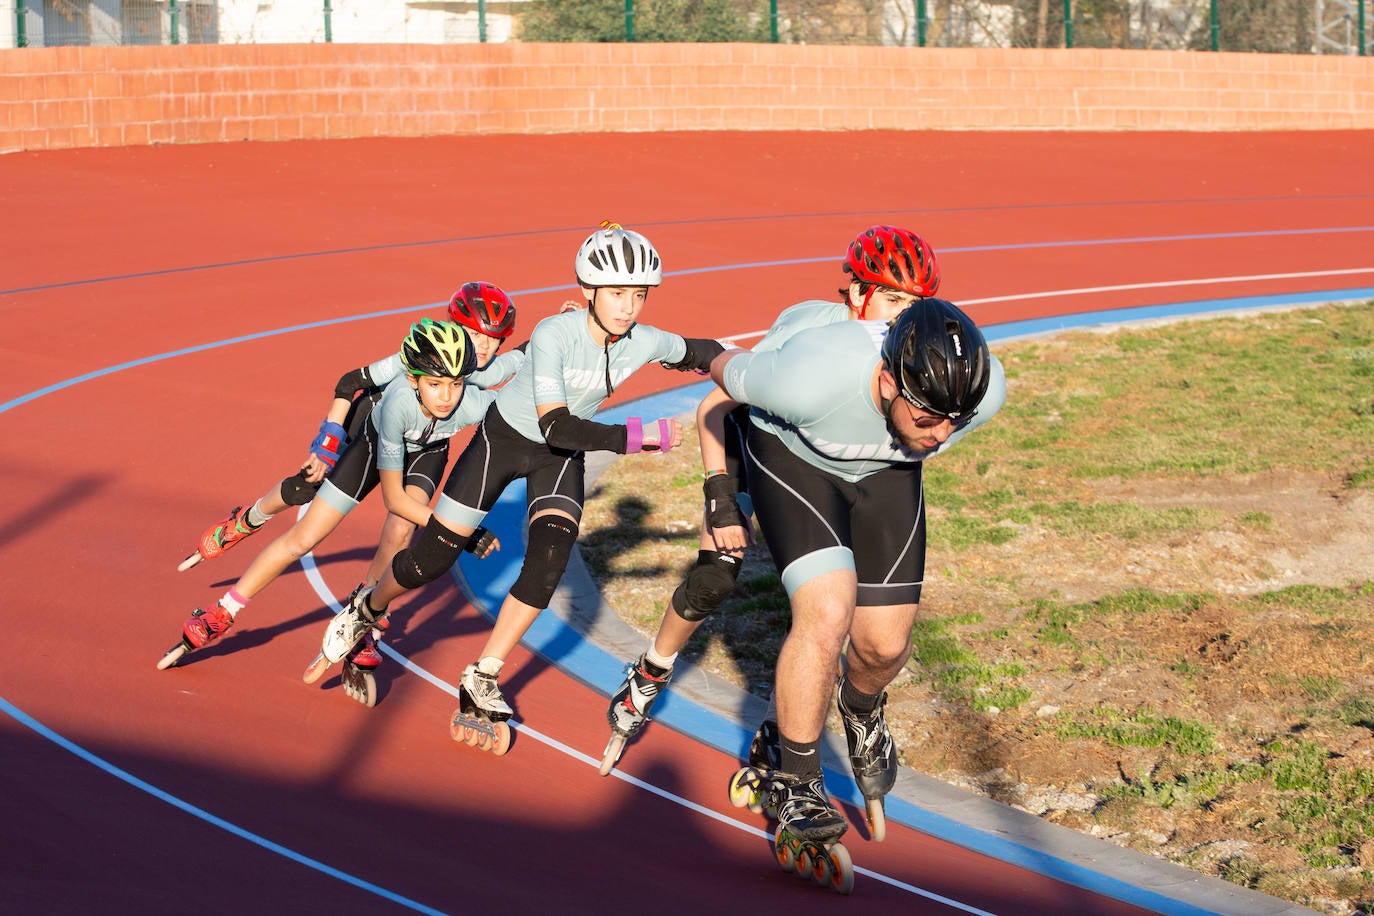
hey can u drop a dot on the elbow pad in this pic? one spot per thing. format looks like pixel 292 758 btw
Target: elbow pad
pixel 563 430
pixel 700 352
pixel 350 383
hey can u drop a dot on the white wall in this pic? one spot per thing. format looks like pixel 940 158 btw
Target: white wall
pixel 362 21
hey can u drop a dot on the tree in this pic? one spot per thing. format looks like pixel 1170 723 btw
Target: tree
pixel 653 20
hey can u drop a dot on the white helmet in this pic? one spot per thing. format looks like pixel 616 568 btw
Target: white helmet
pixel 612 256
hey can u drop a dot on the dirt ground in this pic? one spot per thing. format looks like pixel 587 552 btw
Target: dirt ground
pixel 1254 672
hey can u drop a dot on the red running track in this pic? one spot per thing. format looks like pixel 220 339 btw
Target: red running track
pixel 120 256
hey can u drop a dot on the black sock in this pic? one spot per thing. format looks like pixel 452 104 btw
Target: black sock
pixel 800 758
pixel 856 702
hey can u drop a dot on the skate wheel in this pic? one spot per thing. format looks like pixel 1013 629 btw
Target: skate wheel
pixel 877 819
pixel 500 744
pixel 841 869
pixel 174 655
pixel 820 869
pixel 782 850
pixel 614 748
pixel 802 865
pixel 190 561
pixel 316 669
pixel 743 788
pixel 361 686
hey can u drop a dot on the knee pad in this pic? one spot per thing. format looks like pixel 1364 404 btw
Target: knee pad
pixel 434 553
pixel 297 491
pixel 551 543
pixel 707 585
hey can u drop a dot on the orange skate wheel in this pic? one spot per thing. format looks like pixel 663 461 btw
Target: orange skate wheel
pixel 501 743
pixel 782 849
pixel 841 869
pixel 820 870
pixel 877 819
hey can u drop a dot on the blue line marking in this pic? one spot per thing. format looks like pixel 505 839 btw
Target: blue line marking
pixel 25 719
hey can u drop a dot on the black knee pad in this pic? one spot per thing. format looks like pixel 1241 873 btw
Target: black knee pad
pixel 551 543
pixel 434 553
pixel 707 585
pixel 297 491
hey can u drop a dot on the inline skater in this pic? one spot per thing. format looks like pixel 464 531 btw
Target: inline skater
pixel 403 447
pixel 489 316
pixel 887 268
pixel 539 429
pixel 835 479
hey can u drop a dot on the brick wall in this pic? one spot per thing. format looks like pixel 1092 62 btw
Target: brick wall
pixel 55 98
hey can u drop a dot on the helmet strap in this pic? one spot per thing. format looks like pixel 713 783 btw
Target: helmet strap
pixel 863 309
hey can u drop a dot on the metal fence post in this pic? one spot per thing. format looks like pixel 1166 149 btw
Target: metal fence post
pixel 1068 23
pixel 176 25
pixel 921 22
pixel 328 22
pixel 1364 47
pixel 773 20
pixel 482 21
pixel 1216 28
pixel 21 38
pixel 629 20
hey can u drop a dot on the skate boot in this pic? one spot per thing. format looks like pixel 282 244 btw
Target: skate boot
pixel 749 785
pixel 358 679
pixel 203 628
pixel 629 708
pixel 765 751
pixel 873 757
pixel 480 719
pixel 809 829
pixel 220 537
pixel 344 632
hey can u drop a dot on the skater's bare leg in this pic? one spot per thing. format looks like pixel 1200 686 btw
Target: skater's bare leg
pixel 822 611
pixel 395 537
pixel 319 521
pixel 879 645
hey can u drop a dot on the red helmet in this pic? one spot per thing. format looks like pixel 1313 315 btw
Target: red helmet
pixel 483 307
pixel 893 257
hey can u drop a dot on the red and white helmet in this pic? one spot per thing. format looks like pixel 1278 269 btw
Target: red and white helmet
pixel 483 307
pixel 896 258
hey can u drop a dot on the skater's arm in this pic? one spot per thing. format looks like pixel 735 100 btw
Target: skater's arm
pixel 720 487
pixel 563 430
pixel 399 502
pixel 317 463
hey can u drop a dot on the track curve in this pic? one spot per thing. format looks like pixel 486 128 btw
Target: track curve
pixel 152 385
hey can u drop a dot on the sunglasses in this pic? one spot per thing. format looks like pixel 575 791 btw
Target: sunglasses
pixel 929 421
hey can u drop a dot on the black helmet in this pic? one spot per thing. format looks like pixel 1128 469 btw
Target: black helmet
pixel 938 357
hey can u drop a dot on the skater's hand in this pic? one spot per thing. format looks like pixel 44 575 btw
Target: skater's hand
pixel 662 436
pixel 571 305
pixel 314 469
pixel 734 538
pixel 483 543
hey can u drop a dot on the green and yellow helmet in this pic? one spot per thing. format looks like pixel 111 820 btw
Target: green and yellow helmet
pixel 438 348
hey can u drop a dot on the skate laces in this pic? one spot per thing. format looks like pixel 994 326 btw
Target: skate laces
pixel 207 625
pixel 803 799
pixel 869 737
pixel 483 687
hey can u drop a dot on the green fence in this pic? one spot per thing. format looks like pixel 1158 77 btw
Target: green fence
pixel 1274 26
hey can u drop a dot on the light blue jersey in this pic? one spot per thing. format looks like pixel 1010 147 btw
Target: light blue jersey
pixel 564 365
pixel 403 427
pixel 814 313
pixel 815 393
